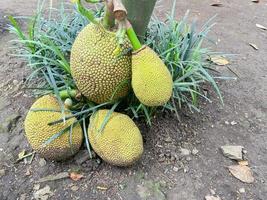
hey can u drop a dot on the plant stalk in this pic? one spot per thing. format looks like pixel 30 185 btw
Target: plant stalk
pixel 139 14
pixel 132 36
pixel 85 12
pixel 108 20
pixel 68 94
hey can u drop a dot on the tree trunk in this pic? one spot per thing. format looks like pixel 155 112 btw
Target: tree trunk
pixel 139 14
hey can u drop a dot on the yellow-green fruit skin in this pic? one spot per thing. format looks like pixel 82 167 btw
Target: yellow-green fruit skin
pixel 38 131
pixel 120 143
pixel 99 66
pixel 151 80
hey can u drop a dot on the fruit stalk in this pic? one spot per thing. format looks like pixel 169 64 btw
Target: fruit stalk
pixel 68 94
pixel 120 14
pixel 139 14
pixel 109 20
pixel 132 36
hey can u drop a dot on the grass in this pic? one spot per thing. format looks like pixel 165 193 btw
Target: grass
pixel 46 46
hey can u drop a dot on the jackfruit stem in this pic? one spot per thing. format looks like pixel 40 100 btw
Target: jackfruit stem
pixel 68 94
pixel 108 20
pixel 85 12
pixel 132 36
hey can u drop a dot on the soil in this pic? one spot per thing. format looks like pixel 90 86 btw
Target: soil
pixel 164 172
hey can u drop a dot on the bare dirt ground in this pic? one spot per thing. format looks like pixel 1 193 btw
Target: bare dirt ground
pixel 164 172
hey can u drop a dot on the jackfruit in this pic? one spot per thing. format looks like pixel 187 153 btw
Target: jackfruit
pixel 100 67
pixel 38 131
pixel 120 142
pixel 151 80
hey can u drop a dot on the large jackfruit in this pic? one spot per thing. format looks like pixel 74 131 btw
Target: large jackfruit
pixel 151 80
pixel 38 131
pixel 100 67
pixel 120 143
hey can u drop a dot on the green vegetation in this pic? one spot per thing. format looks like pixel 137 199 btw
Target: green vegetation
pixel 46 46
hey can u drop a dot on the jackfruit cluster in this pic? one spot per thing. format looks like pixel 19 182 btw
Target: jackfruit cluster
pixel 99 66
pixel 120 142
pixel 151 80
pixel 38 130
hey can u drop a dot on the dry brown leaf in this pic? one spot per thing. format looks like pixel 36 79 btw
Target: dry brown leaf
pixel 243 162
pixel 243 173
pixel 261 27
pixel 254 46
pixel 219 60
pixel 75 176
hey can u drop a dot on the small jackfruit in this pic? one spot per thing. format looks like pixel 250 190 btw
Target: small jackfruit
pixel 38 131
pixel 151 80
pixel 99 66
pixel 120 142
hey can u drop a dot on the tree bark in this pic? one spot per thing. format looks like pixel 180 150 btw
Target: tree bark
pixel 139 14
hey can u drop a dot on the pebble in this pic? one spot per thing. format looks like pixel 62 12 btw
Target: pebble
pixel 233 123
pixel 244 151
pixel 195 151
pixel 212 192
pixel 74 188
pixel 163 183
pixel 176 169
pixel 168 139
pixel 188 158
pixel 15 82
pixel 2 172
pixel 36 187
pixel 209 197
pixel 232 152
pixel 23 197
pixel 242 190
pixel 42 162
pixel 186 170
pixel 185 152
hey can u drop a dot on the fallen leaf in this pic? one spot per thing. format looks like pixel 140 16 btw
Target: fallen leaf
pixel 219 60
pixel 209 197
pixel 75 176
pixel 254 46
pixel 217 4
pixel 21 155
pixel 43 194
pixel 261 26
pixel 53 177
pixel 243 173
pixel 101 187
pixel 255 1
pixel 243 162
